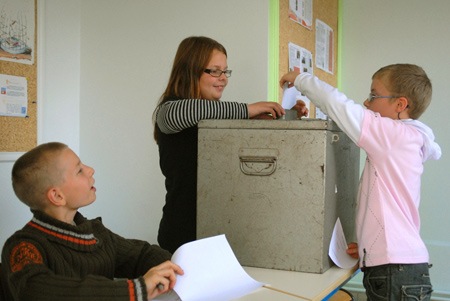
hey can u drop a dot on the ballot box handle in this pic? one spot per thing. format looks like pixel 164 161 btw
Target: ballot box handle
pixel 258 166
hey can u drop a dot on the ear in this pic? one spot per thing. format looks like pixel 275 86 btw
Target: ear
pixel 55 196
pixel 402 104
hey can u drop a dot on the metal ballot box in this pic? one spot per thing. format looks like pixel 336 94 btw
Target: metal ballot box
pixel 275 188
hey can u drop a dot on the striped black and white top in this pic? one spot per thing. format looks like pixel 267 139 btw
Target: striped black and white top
pixel 174 116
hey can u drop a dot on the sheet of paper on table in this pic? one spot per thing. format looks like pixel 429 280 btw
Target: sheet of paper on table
pixel 211 272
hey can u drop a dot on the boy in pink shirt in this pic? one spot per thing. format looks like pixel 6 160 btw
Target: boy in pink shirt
pixel 394 257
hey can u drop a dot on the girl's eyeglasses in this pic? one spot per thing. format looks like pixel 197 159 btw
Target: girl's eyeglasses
pixel 217 72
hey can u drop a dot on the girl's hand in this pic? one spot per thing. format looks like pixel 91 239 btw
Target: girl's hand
pixel 256 110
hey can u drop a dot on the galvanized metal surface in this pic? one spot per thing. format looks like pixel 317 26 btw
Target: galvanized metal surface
pixel 276 188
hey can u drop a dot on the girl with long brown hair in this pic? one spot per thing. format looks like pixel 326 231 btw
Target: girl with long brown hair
pixel 199 75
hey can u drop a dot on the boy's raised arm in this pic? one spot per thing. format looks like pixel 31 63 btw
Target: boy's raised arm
pixel 347 115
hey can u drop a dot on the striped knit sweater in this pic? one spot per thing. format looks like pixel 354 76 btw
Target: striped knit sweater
pixel 176 130
pixel 174 116
pixel 51 260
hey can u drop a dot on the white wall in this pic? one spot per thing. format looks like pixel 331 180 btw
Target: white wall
pixel 378 33
pixel 59 72
pixel 127 50
pixel 104 64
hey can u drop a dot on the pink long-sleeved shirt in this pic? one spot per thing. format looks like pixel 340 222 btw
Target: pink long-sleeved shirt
pixel 387 213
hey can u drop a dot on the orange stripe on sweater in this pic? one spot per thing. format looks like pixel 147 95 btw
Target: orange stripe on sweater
pixel 65 237
pixel 131 290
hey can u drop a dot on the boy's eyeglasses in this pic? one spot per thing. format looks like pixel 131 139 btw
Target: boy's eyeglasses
pixel 217 72
pixel 373 96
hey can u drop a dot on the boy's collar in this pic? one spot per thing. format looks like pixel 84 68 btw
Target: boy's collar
pixel 79 237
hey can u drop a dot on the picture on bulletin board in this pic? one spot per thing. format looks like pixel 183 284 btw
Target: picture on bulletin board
pixel 13 96
pixel 17 29
pixel 301 11
pixel 324 47
pixel 18 76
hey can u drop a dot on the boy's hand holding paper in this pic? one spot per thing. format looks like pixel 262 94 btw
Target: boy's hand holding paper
pixel 211 272
pixel 338 247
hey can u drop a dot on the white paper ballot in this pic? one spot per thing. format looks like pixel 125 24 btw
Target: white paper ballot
pixel 211 272
pixel 290 97
pixel 338 246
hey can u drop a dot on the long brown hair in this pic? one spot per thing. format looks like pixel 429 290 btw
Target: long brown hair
pixel 191 59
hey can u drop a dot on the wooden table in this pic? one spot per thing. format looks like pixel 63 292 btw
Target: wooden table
pixel 286 285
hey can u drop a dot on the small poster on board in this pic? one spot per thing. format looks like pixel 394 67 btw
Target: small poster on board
pixel 13 96
pixel 301 11
pixel 324 47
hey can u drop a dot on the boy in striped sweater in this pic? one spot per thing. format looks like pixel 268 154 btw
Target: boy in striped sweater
pixel 61 255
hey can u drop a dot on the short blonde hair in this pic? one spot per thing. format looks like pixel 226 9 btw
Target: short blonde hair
pixel 409 81
pixel 35 172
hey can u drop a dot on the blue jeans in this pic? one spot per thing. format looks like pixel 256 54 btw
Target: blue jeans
pixel 397 282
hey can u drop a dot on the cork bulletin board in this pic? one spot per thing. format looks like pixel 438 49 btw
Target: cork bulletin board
pixel 290 31
pixel 19 134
